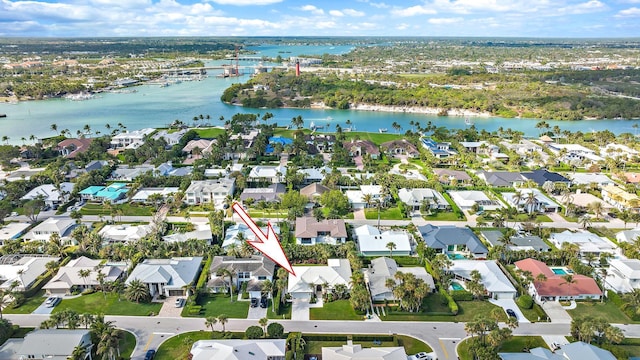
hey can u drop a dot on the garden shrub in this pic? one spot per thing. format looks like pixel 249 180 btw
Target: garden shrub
pixel 461 295
pixel 525 301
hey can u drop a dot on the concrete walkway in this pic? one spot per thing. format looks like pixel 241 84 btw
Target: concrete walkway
pixel 556 313
pixel 359 215
pixel 511 304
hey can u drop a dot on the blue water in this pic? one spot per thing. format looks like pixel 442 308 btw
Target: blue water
pixel 286 51
pixel 456 286
pixel 559 271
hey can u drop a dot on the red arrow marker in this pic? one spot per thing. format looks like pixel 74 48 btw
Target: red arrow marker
pixel 268 243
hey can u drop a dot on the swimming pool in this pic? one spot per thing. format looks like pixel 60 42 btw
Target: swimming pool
pixel 456 286
pixel 561 271
pixel 456 256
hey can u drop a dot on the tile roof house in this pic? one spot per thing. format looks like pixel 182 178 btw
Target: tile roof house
pixel 414 198
pixel 496 283
pixel 518 243
pixel 310 231
pixel 452 240
pixel 23 270
pixel 555 286
pixel 337 271
pixel 630 178
pixel 203 146
pixel 54 344
pixel 70 148
pixel 314 190
pixel 271 193
pixel 502 178
pixel 167 276
pixel 447 176
pixel 253 270
pixel 541 176
pixel 360 147
pixel 68 276
pixel 373 242
pixel 261 349
pixel 400 147
pixel 210 192
pixel 352 351
pixel 50 194
pixel 623 275
pixel 384 268
pixel 574 351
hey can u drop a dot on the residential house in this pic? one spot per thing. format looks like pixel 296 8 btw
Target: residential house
pixel 623 275
pixel 453 241
pixel 555 287
pixel 440 150
pixel 274 141
pixel 450 177
pixel 384 268
pixel 255 349
pixel 400 147
pixel 541 202
pixel 619 198
pixel 310 231
pixel 198 147
pixel 70 148
pixel 271 193
pixel 60 225
pixel 54 344
pixel 524 147
pixel 592 180
pixel 409 174
pixel 236 234
pixel 466 200
pixel 321 142
pixel 112 193
pixel 130 139
pixel 541 176
pixel 475 147
pixel 201 232
pixel 518 243
pixel 253 270
pixel 171 138
pixel 130 173
pixel 352 351
pixel 574 351
pixel 361 147
pixel 167 277
pixel 496 283
pixel 51 195
pixel 575 152
pixel 12 231
pixel 214 192
pixel 22 270
pixel 502 178
pixel 314 175
pixel 628 235
pixel 618 151
pixel 630 178
pixel 587 242
pixel 314 190
pixel 357 197
pixel 267 174
pixel 96 165
pixel 69 277
pixel 415 198
pixel 373 242
pixel 124 233
pixel 142 195
pixel 337 271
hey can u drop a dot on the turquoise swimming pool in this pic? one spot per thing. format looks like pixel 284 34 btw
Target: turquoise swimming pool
pixel 456 256
pixel 456 286
pixel 561 271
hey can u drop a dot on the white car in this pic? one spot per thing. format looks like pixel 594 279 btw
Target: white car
pixel 179 302
pixel 52 301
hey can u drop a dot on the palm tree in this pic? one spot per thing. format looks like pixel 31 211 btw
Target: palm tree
pixel 585 221
pixel 84 274
pixel 566 200
pixel 597 209
pixel 568 280
pixel 54 127
pixel 109 345
pixel 137 291
pixel 79 353
pixel 517 197
pixel 531 202
pixel 632 301
pixel 263 322
pixel 210 321
pixel 223 319
pixel 228 273
pixel 391 246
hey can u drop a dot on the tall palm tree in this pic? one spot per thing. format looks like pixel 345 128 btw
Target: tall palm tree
pixel 137 291
pixel 391 246
pixel 531 202
pixel 585 221
pixel 210 321
pixel 263 322
pixel 109 345
pixel 597 209
pixel 79 353
pixel 84 274
pixel 569 281
pixel 228 273
pixel 223 319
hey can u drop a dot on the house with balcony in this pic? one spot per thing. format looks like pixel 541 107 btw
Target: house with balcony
pixel 213 192
pixel 130 139
pixel 440 150
pixel 310 231
pixel 253 270
pixel 457 242
pixel 623 275
pixel 415 198
pixel 620 198
pixel 167 277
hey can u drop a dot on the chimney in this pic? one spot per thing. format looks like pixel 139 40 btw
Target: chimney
pixel 297 67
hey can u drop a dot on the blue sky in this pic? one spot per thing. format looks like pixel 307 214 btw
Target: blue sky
pixel 526 18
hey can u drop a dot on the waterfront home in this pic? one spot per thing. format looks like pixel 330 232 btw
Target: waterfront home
pixel 502 178
pixel 22 270
pixel 70 148
pixel 112 193
pixel 59 225
pixel 618 151
pixel 271 193
pixel 69 276
pixel 525 147
pixel 50 194
pixel 373 242
pixel 361 147
pixel 468 198
pixel 517 243
pixel 357 197
pixel 130 139
pixel 196 148
pixel 541 176
pixel 12 231
pixel 400 147
pixel 440 150
pixel 320 142
pixel 261 349
pixel 352 351
pixel 254 270
pixel 587 242
pixel 266 174
pixel 415 198
pixel 236 234
pixel 574 351
pixel 55 344
pixel 167 277
pixel 591 180
pixel 314 190
pixel 619 198
pixel 337 271
pixel 629 236
pixel 172 138
pixel 496 284
pixel 142 195
pixel 574 152
pixel 124 233
pixel 310 231
pixel 214 192
pixel 623 275
pixel 454 241
pixel 555 286
pixel 449 177
pixel 384 268
pixel 201 232
pixel 475 147
pixel 541 202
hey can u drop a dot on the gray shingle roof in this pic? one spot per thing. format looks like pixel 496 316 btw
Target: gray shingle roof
pixel 439 237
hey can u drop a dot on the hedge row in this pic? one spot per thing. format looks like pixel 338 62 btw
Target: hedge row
pixel 453 307
pixel 461 295
pixel 617 301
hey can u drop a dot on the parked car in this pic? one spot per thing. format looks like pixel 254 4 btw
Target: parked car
pixel 149 355
pixel 263 302
pixel 254 302
pixel 52 301
pixel 179 302
pixel 512 313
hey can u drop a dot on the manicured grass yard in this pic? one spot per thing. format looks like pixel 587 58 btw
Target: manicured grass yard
pixel 127 344
pixel 268 214
pixel 606 310
pixel 216 304
pixel 29 305
pixel 525 217
pixel 210 132
pixel 467 310
pixel 178 347
pixel 285 310
pixel 335 310
pixel 442 216
pixel 385 214
pixel 516 344
pixel 127 210
pixel 377 138
pixel 411 345
pixel 97 304
pixel 631 346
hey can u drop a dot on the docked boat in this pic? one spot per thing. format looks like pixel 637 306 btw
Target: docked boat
pixel 329 118
pixel 468 122
pixel 382 130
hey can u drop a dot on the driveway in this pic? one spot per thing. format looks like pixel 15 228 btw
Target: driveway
pixel 556 312
pixel 257 313
pixel 42 309
pixel 169 308
pixel 511 304
pixel 300 310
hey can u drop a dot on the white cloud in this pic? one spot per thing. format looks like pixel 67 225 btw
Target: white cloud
pixel 337 13
pixel 413 11
pixel 379 5
pixel 630 12
pixel 402 26
pixel 312 9
pixel 353 12
pixel 441 21
pixel 583 8
pixel 246 2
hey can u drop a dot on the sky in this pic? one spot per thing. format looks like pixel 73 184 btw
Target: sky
pixel 499 18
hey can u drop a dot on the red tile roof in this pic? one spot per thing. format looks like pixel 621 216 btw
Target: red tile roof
pixel 555 284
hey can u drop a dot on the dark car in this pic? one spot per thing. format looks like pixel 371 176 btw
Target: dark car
pixel 149 355
pixel 512 313
pixel 263 302
pixel 254 302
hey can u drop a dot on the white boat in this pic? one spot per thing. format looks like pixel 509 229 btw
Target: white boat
pixel 468 122
pixel 79 96
pixel 382 130
pixel 329 118
pixel 312 126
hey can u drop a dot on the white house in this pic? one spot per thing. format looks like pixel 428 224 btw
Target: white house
pixel 372 242
pixel 272 174
pixel 167 276
pixel 587 242
pixel 575 152
pixel 541 202
pixel 617 151
pixel 495 282
pixel 468 198
pixel 233 237
pixel 68 276
pixel 384 268
pixel 22 270
pixel 50 194
pixel 255 349
pixel 623 275
pixel 337 271
pixel 55 344
pixel 210 192
pixel 12 231
pixel 310 231
pixel 130 139
pixel 590 179
pixel 60 225
pixel 253 270
pixel 628 235
pixel 143 194
pixel 414 198
pixel 124 233
pixel 201 232
pixel 357 197
pixel 171 138
pixel 352 351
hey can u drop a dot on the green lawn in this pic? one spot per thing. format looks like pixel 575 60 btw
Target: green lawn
pixel 410 344
pixel 385 214
pixel 630 346
pixel 376 138
pixel 268 214
pixel 515 344
pixel 21 332
pixel 127 345
pixel 97 304
pixel 434 311
pixel 209 132
pixel 413 345
pixel 127 210
pixel 532 314
pixel 29 305
pixel 179 346
pixel 285 311
pixel 216 304
pixel 325 212
pixel 607 310
pixel 443 216
pixel 525 217
pixel 335 310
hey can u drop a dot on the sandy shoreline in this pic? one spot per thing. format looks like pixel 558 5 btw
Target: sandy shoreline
pixel 406 109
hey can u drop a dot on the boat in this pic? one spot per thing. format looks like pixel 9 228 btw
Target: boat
pixel 329 118
pixel 3 115
pixel 79 97
pixel 468 122
pixel 382 130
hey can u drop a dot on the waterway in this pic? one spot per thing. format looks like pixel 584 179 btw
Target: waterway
pixel 155 106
